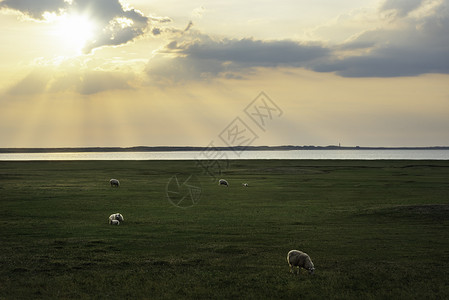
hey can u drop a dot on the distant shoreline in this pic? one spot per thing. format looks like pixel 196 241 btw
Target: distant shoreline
pixel 193 148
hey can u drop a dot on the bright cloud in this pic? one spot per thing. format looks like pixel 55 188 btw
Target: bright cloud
pixel 114 24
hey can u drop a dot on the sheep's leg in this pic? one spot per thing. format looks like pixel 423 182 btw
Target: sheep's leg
pixel 294 270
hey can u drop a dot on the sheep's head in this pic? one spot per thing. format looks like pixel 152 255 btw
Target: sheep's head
pixel 309 266
pixel 120 217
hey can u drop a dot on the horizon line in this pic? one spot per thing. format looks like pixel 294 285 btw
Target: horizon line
pixel 200 148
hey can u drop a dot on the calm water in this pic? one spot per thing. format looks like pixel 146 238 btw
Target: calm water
pixel 193 155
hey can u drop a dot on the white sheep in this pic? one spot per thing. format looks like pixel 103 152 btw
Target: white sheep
pixel 223 182
pixel 296 258
pixel 114 222
pixel 116 216
pixel 244 184
pixel 114 182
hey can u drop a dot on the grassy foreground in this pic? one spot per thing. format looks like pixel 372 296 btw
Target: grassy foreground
pixel 374 230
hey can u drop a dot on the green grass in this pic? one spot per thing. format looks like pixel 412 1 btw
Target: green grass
pixel 374 230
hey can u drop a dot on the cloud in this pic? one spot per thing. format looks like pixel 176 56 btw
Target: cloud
pixel 160 19
pixel 204 57
pixel 114 24
pixel 35 9
pixel 411 40
pixel 188 26
pixel 198 12
pixel 255 53
pixel 400 8
pixel 414 41
pixel 156 31
pixel 416 44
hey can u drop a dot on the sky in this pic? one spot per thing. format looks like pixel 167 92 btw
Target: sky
pixel 123 73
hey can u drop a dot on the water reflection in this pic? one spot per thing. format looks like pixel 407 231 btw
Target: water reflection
pixel 193 155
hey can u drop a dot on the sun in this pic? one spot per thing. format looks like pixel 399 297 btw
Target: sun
pixel 75 31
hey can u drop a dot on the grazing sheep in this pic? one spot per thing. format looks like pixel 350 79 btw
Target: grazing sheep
pixel 300 260
pixel 245 184
pixel 114 222
pixel 223 182
pixel 116 216
pixel 114 182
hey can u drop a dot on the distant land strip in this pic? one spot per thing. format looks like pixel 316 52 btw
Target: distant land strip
pixel 193 148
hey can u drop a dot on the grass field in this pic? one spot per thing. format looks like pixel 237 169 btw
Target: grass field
pixel 374 230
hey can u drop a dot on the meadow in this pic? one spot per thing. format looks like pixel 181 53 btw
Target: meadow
pixel 374 230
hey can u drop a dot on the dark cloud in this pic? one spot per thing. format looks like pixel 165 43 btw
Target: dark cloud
pixel 188 26
pixel 256 53
pixel 418 46
pixel 388 62
pixel 173 45
pixel 205 58
pixel 400 8
pixel 156 31
pixel 160 19
pixel 35 9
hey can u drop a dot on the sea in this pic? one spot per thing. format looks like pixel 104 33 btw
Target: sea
pixel 343 154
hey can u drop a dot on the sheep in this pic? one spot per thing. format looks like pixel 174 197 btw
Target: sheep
pixel 116 216
pixel 300 260
pixel 114 222
pixel 114 182
pixel 223 182
pixel 244 184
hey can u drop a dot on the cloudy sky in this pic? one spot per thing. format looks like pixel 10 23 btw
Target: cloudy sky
pixel 77 73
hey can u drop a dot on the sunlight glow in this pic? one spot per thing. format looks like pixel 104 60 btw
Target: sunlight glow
pixel 75 31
